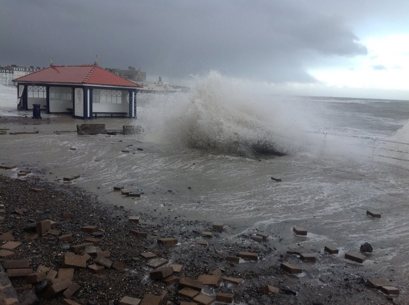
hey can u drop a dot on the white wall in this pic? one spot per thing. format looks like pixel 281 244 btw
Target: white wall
pixel 60 99
pixel 79 102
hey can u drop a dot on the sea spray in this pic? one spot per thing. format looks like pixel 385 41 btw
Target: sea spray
pixel 224 115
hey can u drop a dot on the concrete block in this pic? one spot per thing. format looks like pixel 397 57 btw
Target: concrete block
pixel 207 234
pixel 294 251
pixel 134 219
pixel 71 178
pixel 290 268
pixel 263 236
pixel 118 188
pixel 202 243
pixel 125 192
pixel 151 299
pixel 377 282
pixel 11 245
pixel 308 257
pixel 35 277
pixel 300 231
pixel 269 289
pixel 331 250
pixel 209 279
pixel 356 257
pixel 70 302
pixel 203 299
pixel 71 259
pixel 71 290
pixel 373 214
pixel 43 226
pixel 54 232
pixel 92 240
pixel 104 253
pixel 248 256
pixel 51 275
pixel 148 255
pixel 233 259
pixel 19 272
pixel 188 292
pixel 92 250
pixel 96 268
pixel 257 238
pixel 156 262
pixel 190 283
pixel 218 227
pixel 6 236
pixel 168 241
pixel 16 264
pixel 134 194
pixel 131 130
pixel 79 248
pixel 161 273
pixel 173 279
pixel 91 129
pixel 390 290
pixel 177 268
pixel 126 300
pixel 224 297
pixel 216 271
pixel 6 253
pixel 139 234
pixel 57 287
pixel 103 261
pixel 89 229
pixel 65 274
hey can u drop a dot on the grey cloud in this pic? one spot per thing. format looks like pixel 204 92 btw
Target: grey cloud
pixel 271 40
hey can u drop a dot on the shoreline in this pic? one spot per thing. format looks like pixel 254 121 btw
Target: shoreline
pixel 331 280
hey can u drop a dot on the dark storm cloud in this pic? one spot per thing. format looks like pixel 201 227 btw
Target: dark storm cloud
pixel 273 40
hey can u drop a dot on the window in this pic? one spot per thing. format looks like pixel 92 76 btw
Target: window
pixel 60 93
pixel 107 96
pixel 36 92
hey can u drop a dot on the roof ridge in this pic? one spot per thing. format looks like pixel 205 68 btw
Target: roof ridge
pixel 87 77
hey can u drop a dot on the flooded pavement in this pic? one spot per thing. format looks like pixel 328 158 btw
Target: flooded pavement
pixel 325 193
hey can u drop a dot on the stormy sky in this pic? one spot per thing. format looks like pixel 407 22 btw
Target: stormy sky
pixel 297 41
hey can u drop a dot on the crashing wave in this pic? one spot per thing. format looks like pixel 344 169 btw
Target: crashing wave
pixel 221 115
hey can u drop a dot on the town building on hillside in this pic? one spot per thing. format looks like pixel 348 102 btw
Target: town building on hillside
pixel 85 91
pixel 131 73
pixel 10 72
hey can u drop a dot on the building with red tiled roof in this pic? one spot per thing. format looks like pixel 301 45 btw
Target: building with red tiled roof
pixel 85 91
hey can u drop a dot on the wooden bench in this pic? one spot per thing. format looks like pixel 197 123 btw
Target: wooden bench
pixel 110 114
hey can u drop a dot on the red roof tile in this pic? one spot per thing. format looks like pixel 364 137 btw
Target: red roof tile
pixel 84 75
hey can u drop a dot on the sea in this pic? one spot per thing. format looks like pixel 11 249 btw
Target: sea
pixel 210 154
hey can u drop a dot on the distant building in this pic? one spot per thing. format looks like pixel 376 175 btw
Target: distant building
pixel 10 72
pixel 85 91
pixel 131 73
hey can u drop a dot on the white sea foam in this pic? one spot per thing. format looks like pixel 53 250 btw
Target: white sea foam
pixel 8 100
pixel 221 114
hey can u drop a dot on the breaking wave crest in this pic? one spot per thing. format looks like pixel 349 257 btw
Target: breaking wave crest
pixel 223 115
